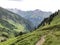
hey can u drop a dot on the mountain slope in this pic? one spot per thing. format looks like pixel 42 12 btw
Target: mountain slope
pixel 12 24
pixel 51 29
pixel 35 16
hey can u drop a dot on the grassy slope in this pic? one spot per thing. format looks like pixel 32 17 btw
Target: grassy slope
pixel 8 26
pixel 19 21
pixel 12 24
pixel 18 26
pixel 51 31
pixel 53 38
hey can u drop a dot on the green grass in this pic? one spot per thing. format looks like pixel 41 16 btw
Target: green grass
pixel 20 27
pixel 27 39
pixel 52 37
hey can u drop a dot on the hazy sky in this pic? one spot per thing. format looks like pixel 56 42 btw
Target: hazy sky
pixel 44 5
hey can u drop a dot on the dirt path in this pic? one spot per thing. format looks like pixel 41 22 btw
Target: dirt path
pixel 41 41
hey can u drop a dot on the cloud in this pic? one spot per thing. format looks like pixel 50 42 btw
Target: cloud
pixel 14 0
pixel 44 5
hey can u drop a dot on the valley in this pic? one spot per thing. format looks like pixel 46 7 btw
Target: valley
pixel 35 16
pixel 16 30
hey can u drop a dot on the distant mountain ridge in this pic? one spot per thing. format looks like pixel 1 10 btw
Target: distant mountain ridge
pixel 35 16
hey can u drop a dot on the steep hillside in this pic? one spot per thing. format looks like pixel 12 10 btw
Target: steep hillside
pixel 50 29
pixel 35 16
pixel 12 24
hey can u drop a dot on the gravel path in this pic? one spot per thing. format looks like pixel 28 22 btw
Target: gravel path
pixel 41 41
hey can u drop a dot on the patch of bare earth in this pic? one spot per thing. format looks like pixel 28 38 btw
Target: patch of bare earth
pixel 41 41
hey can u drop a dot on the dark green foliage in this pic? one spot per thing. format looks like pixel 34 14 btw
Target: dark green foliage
pixel 48 20
pixel 2 40
pixel 20 33
pixel 5 35
pixel 7 24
